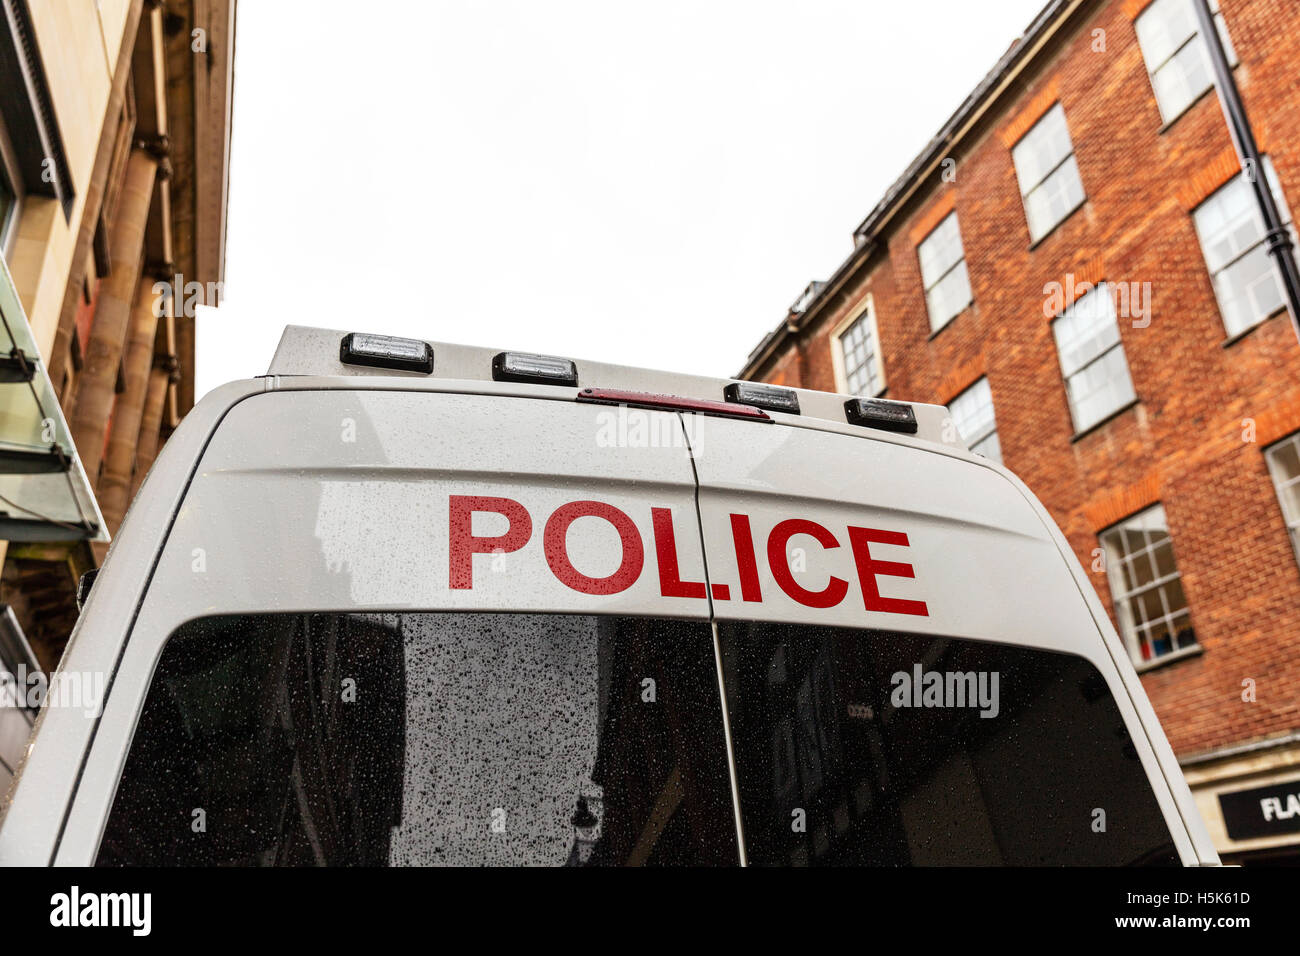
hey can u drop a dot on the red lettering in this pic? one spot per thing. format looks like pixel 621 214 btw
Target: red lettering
pixel 750 589
pixel 869 568
pixel 555 544
pixel 670 580
pixel 835 589
pixel 462 545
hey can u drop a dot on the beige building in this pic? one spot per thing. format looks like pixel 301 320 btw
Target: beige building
pixel 114 142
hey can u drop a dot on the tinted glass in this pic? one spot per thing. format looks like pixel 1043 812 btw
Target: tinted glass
pixel 7 203
pixel 428 739
pixel 1019 756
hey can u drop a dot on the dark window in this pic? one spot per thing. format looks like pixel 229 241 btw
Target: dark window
pixel 838 765
pixel 428 738
pixel 8 203
pixel 11 191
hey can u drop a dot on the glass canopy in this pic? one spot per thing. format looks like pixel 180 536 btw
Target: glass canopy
pixel 44 494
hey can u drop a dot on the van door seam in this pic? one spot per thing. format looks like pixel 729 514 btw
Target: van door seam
pixel 717 656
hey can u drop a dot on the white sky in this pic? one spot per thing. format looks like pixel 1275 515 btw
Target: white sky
pixel 641 183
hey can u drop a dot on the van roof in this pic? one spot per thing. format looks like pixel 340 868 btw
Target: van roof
pixel 305 350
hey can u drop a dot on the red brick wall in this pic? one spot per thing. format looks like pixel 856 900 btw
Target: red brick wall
pixel 1182 444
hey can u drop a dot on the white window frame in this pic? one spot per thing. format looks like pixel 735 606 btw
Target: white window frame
pixel 1282 483
pixel 1164 8
pixel 1239 182
pixel 1070 375
pixel 975 392
pixel 1028 189
pixel 865 312
pixel 1123 597
pixel 930 283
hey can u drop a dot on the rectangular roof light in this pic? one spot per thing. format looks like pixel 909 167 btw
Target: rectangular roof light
pixel 875 413
pixel 533 369
pixel 772 397
pixel 386 351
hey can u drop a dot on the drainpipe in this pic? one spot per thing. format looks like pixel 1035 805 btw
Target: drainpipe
pixel 1276 235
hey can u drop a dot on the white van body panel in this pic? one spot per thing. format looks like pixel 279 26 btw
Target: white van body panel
pixel 369 463
pixel 371 473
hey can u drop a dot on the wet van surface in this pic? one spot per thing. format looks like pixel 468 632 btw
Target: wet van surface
pixel 366 616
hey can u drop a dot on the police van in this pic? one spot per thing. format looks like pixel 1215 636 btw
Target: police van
pixel 408 603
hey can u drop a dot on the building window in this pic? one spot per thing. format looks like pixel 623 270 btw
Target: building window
pixel 943 273
pixel 1049 176
pixel 1245 276
pixel 1176 58
pixel 861 370
pixel 1284 465
pixel 11 192
pixel 1146 586
pixel 1097 380
pixel 972 414
pixel 8 209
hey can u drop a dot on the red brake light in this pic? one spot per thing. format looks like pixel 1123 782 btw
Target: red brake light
pixel 671 403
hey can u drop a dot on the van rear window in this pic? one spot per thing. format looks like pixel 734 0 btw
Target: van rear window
pixel 869 747
pixel 502 738
pixel 361 739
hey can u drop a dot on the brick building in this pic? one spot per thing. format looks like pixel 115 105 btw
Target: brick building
pixel 1075 266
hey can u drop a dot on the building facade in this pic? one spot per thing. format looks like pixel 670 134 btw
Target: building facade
pixel 1075 266
pixel 114 135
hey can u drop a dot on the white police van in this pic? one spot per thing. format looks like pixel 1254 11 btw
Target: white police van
pixel 402 603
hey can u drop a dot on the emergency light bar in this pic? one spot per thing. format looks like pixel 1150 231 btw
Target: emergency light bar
pixel 772 397
pixel 318 352
pixel 887 416
pixel 533 369
pixel 386 351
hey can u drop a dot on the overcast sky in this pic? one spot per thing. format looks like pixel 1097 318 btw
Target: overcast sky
pixel 641 183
